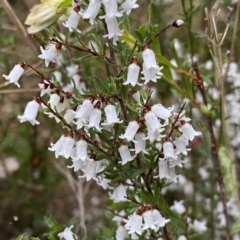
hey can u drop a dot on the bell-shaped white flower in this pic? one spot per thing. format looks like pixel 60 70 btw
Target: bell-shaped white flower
pixel 92 11
pixel 178 207
pixel 111 115
pixel 73 19
pixel 188 131
pixel 158 219
pixel 92 167
pixel 15 74
pixel 95 118
pixel 111 9
pixel 85 109
pixel 63 147
pixel 131 131
pixel 164 170
pixel 140 143
pixel 168 150
pixel 128 5
pixel 113 29
pixel 80 151
pixel 77 165
pixel 125 154
pixel 54 101
pixel 67 234
pixel 30 113
pixel 152 122
pixel 148 220
pixel 69 115
pixel 50 53
pixel 134 223
pixel 151 70
pixel 45 88
pixel 132 74
pixel 161 112
pixel 121 233
pixel 198 226
pixel 119 194
pixel 181 145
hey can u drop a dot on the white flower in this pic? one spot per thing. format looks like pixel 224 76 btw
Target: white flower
pixel 45 88
pixel 111 9
pixel 69 115
pixel 73 20
pixel 198 226
pixel 178 23
pixel 80 151
pixel 128 5
pixel 121 233
pixel 158 219
pixel 90 170
pixel 85 109
pixel 67 234
pixel 151 70
pixel 181 145
pixel 148 220
pixel 15 74
pixel 178 207
pixel 119 194
pixel 113 29
pixel 54 101
pixel 125 154
pixel 131 130
pixel 95 119
pixel 165 171
pixel 92 10
pixel 63 147
pixel 134 224
pixel 182 237
pixel 162 112
pixel 111 115
pixel 152 121
pixel 168 150
pixel 188 131
pixel 50 53
pixel 132 75
pixel 140 143
pixel 30 113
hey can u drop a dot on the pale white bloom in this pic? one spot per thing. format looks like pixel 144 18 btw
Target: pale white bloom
pixel 140 143
pixel 54 101
pixel 95 119
pixel 119 194
pixel 91 168
pixel 80 151
pixel 111 115
pixel 136 96
pixel 152 122
pixel 158 219
pixel 92 11
pixel 121 233
pixel 132 74
pixel 69 115
pixel 85 109
pixel 50 53
pixel 182 237
pixel 111 9
pixel 128 5
pixel 198 226
pixel 181 145
pixel 15 74
pixel 151 70
pixel 165 171
pixel 113 29
pixel 45 88
pixel 125 154
pixel 168 150
pixel 73 19
pixel 161 112
pixel 72 70
pixel 178 207
pixel 131 131
pixel 67 234
pixel 30 113
pixel 63 147
pixel 134 224
pixel 148 220
pixel 188 131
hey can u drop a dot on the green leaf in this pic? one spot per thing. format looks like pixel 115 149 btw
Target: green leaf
pixel 21 237
pixel 51 222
